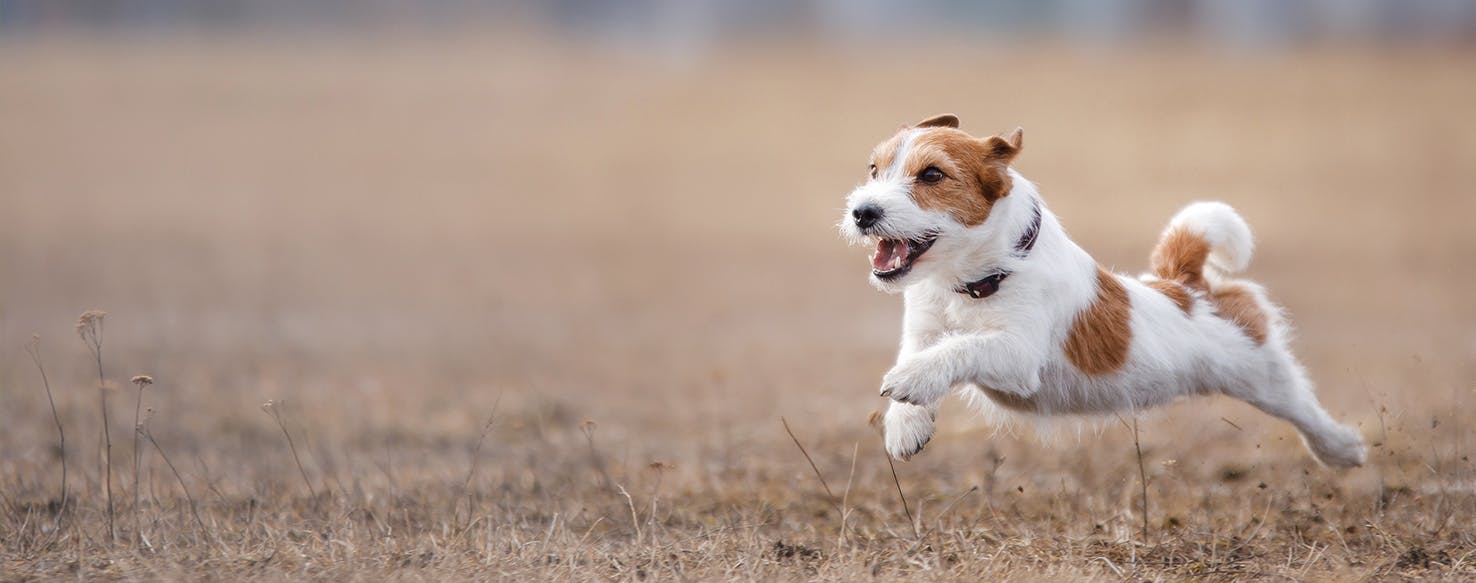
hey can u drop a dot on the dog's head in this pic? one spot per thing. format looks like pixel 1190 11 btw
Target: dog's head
pixel 930 185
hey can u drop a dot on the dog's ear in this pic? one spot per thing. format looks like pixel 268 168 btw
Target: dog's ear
pixel 946 120
pixel 1005 148
pixel 1017 138
pixel 999 151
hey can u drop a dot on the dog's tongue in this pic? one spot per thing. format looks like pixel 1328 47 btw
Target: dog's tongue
pixel 890 253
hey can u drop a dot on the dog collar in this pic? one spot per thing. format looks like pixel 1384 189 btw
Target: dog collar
pixel 983 288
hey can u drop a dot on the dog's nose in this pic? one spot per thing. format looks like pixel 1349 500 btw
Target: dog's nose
pixel 866 215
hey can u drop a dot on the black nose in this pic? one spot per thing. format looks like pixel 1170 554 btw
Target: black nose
pixel 866 215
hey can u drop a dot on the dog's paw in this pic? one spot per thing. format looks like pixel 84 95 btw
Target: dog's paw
pixel 1341 448
pixel 907 429
pixel 914 381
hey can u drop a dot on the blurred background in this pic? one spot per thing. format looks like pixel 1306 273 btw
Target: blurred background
pixel 684 26
pixel 397 216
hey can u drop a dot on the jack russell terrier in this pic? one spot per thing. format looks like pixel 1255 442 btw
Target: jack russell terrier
pixel 1001 303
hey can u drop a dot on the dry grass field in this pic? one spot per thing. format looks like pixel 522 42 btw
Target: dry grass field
pixel 535 310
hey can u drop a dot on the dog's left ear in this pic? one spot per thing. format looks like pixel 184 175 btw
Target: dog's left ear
pixel 946 120
pixel 1006 148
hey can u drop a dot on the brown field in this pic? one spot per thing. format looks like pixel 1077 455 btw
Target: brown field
pixel 629 265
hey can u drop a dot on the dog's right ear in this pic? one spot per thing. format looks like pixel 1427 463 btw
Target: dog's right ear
pixel 946 120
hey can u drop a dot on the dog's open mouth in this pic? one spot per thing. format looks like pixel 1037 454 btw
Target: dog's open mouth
pixel 894 257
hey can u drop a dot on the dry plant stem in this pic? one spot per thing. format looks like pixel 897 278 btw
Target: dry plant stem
pixel 188 498
pixel 952 505
pixel 829 495
pixel 655 495
pixel 1142 478
pixel 937 526
pixel 901 497
pixel 1380 502
pixel 34 349
pixel 635 519
pixel 846 495
pixel 273 409
pixel 137 455
pixel 89 327
pixel 587 427
pixel 476 455
pixel 102 399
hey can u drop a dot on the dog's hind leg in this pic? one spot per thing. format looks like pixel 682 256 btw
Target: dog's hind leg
pixel 1285 392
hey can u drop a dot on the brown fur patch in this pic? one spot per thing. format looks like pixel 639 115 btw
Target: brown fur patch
pixel 1175 292
pixel 977 173
pixel 1238 305
pixel 1179 259
pixel 1102 334
pixel 1180 256
pixel 943 120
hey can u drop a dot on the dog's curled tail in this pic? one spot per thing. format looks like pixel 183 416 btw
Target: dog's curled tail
pixel 1204 233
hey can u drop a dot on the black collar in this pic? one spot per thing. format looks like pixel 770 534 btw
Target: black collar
pixel 983 288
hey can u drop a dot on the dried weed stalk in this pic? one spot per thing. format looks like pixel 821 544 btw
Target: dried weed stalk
pixel 828 494
pixel 90 329
pixel 33 348
pixel 139 381
pixel 274 409
pixel 476 455
pixel 143 428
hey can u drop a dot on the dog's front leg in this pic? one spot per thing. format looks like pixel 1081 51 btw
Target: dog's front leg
pixel 998 360
pixel 920 380
pixel 908 428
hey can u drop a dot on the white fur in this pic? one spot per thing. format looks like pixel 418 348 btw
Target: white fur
pixel 1229 237
pixel 1011 342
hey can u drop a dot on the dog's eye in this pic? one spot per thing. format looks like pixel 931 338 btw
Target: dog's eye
pixel 873 170
pixel 931 175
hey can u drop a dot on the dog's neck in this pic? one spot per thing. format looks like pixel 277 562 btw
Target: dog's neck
pixel 1023 231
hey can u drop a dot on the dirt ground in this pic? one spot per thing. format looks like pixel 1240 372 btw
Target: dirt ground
pixel 629 265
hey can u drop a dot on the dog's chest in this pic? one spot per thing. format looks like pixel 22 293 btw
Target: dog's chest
pixel 965 315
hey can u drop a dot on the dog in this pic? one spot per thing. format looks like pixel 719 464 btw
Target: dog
pixel 1002 304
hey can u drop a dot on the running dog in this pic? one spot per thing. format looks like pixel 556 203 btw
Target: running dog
pixel 1002 304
